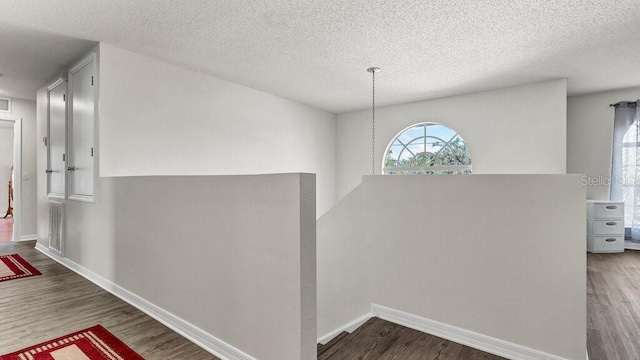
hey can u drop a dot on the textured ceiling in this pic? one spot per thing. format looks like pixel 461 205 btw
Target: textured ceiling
pixel 316 51
pixel 29 58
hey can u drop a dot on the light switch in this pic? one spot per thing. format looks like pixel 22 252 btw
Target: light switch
pixel 25 176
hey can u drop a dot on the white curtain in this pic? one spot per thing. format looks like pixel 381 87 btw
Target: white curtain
pixel 625 165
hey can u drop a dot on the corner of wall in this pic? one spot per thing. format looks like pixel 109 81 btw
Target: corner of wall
pixel 589 136
pixel 308 277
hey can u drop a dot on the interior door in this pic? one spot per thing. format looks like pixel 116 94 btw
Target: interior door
pixel 81 151
pixel 57 168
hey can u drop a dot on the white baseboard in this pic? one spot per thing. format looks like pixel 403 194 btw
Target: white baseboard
pixel 461 336
pixel 203 339
pixel 28 237
pixel 630 245
pixel 350 327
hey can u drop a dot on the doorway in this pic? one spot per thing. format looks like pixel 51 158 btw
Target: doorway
pixel 10 158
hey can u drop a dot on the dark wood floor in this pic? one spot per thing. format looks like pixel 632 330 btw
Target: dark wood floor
pixel 613 306
pixel 381 340
pixel 58 302
pixel 39 308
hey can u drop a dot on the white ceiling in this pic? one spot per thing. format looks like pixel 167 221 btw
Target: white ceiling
pixel 30 58
pixel 316 51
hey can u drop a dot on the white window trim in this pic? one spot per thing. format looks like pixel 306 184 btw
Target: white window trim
pixel 387 169
pixel 428 168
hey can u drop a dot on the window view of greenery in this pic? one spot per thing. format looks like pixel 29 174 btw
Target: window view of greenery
pixel 428 149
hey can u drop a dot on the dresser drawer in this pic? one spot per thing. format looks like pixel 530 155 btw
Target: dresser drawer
pixel 605 227
pixel 605 210
pixel 605 244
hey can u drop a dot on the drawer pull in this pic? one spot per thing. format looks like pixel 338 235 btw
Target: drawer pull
pixel 610 240
pixel 612 223
pixel 611 207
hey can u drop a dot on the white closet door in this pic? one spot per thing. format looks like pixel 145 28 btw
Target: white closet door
pixel 57 142
pixel 81 143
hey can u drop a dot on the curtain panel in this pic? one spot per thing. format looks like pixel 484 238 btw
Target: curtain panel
pixel 625 165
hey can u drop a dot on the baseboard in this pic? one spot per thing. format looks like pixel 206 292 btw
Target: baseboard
pixel 203 339
pixel 461 336
pixel 350 327
pixel 630 245
pixel 28 237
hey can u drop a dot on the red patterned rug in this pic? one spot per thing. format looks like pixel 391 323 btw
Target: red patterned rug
pixel 15 267
pixel 94 343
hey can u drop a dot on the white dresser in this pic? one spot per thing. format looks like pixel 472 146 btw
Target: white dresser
pixel 605 226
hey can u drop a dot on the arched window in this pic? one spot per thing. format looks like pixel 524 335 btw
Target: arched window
pixel 427 148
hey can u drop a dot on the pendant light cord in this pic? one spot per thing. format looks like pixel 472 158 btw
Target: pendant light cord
pixel 373 71
pixel 373 124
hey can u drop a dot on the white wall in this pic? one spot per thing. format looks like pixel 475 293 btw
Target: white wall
pixel 160 119
pixel 589 136
pixel 6 161
pixel 509 131
pixel 156 118
pixel 26 110
pixel 491 254
pixel 343 274
pixel 235 258
pixel 500 255
pixel 42 208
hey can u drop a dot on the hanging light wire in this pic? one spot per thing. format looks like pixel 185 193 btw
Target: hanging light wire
pixel 373 71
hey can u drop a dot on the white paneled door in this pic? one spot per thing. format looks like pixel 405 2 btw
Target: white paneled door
pixel 82 111
pixel 57 168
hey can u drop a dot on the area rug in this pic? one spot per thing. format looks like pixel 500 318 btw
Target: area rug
pixel 15 267
pixel 94 343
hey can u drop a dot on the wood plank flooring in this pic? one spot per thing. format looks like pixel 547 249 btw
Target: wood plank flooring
pixel 35 309
pixel 381 340
pixel 6 229
pixel 613 306
pixel 59 301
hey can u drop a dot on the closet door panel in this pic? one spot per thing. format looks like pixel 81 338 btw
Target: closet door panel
pixel 81 173
pixel 57 139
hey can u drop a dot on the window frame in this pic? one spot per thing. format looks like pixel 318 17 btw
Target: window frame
pixel 433 168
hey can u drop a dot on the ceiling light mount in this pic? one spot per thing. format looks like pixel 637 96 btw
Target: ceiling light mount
pixel 373 69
